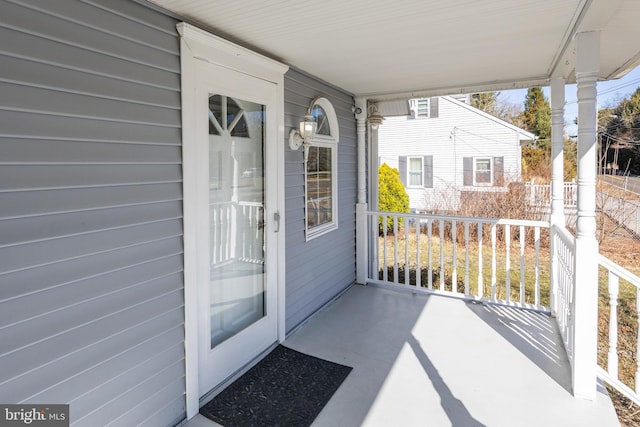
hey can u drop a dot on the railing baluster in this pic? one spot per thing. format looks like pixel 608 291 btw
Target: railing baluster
pixel 441 255
pixel 430 241
pixel 480 284
pixel 454 271
pixel 522 242
pixel 612 357
pixel 396 279
pixel 537 279
pixel 407 234
pixel 466 258
pixel 385 273
pixel 418 262
pixel 493 262
pixel 637 377
pixel 507 267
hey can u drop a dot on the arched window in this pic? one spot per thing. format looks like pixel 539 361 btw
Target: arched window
pixel 321 172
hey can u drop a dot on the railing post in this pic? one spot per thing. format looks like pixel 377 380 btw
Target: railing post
pixel 585 302
pixel 612 357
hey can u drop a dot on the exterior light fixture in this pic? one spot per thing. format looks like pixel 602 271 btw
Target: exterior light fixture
pixel 375 118
pixel 305 133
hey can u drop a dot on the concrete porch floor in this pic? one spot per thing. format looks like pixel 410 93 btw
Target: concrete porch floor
pixel 428 360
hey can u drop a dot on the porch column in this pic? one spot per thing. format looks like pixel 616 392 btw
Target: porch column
pixel 557 175
pixel 361 201
pixel 585 310
pixel 557 151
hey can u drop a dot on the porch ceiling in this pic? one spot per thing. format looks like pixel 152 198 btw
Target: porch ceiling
pixel 382 49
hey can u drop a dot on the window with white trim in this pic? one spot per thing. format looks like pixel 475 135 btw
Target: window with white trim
pixel 483 171
pixel 321 172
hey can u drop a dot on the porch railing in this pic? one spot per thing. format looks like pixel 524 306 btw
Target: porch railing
pixel 540 194
pixel 236 229
pixel 622 286
pixel 495 260
pixel 564 264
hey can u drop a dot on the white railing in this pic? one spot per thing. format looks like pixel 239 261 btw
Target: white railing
pixel 539 195
pixel 494 260
pixel 564 264
pixel 237 230
pixel 624 327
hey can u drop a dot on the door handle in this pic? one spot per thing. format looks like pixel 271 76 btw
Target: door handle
pixel 276 218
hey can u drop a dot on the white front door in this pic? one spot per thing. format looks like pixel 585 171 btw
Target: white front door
pixel 236 181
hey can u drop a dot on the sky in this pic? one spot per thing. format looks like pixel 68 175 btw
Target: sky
pixel 609 94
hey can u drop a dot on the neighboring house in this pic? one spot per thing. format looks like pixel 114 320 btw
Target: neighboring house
pixel 162 226
pixel 445 147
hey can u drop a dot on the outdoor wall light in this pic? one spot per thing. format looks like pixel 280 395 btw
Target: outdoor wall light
pixel 375 118
pixel 304 134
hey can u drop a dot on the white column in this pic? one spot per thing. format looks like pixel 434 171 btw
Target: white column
pixel 585 311
pixel 361 201
pixel 557 151
pixel 557 176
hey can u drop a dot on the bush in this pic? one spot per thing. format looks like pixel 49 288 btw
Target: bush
pixel 392 196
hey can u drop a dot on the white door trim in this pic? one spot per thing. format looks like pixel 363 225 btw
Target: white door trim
pixel 198 45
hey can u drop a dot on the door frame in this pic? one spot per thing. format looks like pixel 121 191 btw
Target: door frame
pixel 198 45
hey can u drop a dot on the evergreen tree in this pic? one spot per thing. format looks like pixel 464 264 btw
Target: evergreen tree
pixel 536 117
pixel 485 101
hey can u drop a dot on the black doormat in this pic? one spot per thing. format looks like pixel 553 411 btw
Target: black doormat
pixel 286 388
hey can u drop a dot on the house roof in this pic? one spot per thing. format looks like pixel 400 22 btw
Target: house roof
pixel 384 50
pixel 524 135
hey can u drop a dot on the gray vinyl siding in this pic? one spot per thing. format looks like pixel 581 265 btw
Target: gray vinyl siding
pixel 91 264
pixel 321 268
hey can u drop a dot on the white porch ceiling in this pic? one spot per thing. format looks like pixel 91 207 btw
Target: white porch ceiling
pixel 384 49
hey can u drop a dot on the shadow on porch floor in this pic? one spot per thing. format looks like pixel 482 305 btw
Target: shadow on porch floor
pixel 431 360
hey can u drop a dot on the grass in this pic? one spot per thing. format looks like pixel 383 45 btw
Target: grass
pixel 519 277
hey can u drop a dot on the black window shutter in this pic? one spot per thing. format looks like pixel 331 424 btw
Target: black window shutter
pixel 498 171
pixel 402 168
pixel 433 107
pixel 467 171
pixel 427 171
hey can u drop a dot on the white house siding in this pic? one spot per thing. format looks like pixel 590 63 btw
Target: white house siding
pixel 91 287
pixel 459 131
pixel 319 269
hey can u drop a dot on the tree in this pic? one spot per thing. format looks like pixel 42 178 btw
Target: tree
pixel 492 103
pixel 619 131
pixel 536 116
pixel 392 197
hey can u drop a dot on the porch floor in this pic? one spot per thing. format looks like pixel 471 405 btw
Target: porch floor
pixel 438 361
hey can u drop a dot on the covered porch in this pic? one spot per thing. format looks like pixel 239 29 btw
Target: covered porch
pixel 422 359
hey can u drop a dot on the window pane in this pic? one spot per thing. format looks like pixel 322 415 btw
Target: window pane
pixel 320 117
pixel 319 186
pixel 415 171
pixel 423 108
pixel 483 171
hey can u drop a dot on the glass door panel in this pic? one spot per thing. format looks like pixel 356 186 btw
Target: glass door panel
pixel 236 216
